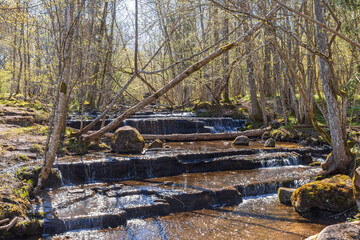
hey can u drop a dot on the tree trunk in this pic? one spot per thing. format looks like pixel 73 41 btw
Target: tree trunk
pixel 255 107
pixel 340 159
pixel 62 103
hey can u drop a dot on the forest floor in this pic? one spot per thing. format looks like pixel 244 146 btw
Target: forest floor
pixel 23 132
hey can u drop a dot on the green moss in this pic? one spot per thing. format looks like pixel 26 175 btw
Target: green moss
pixel 76 146
pixel 36 148
pixel 10 148
pixel 313 164
pixel 333 194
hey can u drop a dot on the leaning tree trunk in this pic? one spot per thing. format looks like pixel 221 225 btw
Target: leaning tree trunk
pixel 62 103
pixel 340 158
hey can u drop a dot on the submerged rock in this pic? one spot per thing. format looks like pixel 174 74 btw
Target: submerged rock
pixel 242 140
pixel 157 143
pixel 127 140
pixel 284 195
pixel 346 231
pixel 269 143
pixel 333 194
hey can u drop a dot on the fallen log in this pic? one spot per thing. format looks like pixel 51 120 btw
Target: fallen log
pixel 206 136
pixel 196 136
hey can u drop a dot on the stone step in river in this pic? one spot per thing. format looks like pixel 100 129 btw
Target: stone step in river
pixel 108 191
pixel 114 167
pixel 259 218
pixel 104 205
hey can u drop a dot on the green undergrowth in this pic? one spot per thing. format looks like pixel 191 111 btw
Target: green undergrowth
pixel 15 202
pixel 19 102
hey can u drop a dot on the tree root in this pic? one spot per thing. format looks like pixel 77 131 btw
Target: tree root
pixel 10 225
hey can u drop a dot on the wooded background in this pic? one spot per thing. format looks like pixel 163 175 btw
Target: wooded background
pixel 172 35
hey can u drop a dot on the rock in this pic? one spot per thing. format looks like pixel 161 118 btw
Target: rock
pixel 32 173
pixel 265 136
pixel 284 195
pixel 315 164
pixel 275 124
pixel 23 121
pixel 269 143
pixel 356 186
pixel 345 231
pixel 157 143
pixel 203 107
pixel 127 140
pixel 206 109
pixel 242 140
pixel 168 183
pixel 333 194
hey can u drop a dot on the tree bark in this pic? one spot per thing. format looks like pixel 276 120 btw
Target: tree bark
pixel 340 159
pixel 63 99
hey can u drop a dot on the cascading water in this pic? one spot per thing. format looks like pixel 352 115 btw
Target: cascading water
pixel 161 123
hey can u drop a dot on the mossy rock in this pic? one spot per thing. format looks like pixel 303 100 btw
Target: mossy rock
pixel 31 175
pixel 206 109
pixel 77 146
pixel 14 197
pixel 157 143
pixel 333 194
pixel 229 106
pixel 37 148
pixel 127 140
pixel 28 228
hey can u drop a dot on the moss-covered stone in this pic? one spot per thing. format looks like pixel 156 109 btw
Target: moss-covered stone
pixel 127 140
pixel 14 197
pixel 333 194
pixel 206 109
pixel 242 140
pixel 28 228
pixel 31 175
pixel 76 146
pixel 157 143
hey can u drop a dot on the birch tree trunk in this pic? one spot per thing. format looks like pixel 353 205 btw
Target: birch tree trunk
pixel 340 158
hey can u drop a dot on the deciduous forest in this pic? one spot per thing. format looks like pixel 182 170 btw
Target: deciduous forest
pixel 271 62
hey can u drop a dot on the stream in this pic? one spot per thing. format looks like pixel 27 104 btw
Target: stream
pixel 189 190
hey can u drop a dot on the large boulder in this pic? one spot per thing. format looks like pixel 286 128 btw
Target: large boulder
pixel 269 143
pixel 333 194
pixel 356 186
pixel 242 140
pixel 127 140
pixel 345 231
